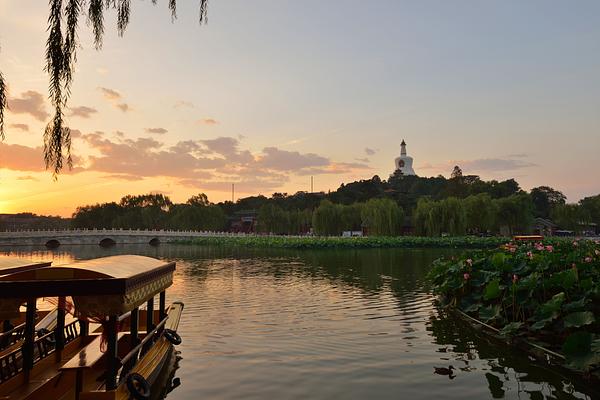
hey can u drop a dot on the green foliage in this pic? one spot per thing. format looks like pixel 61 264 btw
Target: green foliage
pixel 433 218
pixel 151 211
pixel 480 212
pixel 548 291
pixel 545 199
pixel 579 319
pixel 273 219
pixel 382 217
pixel 311 242
pixel 514 214
pixel 327 219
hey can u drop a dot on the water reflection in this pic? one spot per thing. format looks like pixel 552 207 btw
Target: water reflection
pixel 328 324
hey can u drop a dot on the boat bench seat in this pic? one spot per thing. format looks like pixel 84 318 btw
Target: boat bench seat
pixel 88 356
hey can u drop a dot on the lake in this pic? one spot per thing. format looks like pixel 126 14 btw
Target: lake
pixel 327 324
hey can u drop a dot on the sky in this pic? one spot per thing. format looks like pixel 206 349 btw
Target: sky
pixel 271 92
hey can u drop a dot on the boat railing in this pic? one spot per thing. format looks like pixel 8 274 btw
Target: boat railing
pixel 12 336
pixel 12 363
pixel 130 359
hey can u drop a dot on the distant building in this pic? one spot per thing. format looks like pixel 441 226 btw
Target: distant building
pixel 544 227
pixel 404 162
pixel 244 221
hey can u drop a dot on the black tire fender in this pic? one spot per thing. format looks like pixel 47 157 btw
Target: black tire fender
pixel 172 336
pixel 138 386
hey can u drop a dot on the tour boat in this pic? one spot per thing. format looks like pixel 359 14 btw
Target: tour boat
pixel 12 329
pixel 10 265
pixel 118 362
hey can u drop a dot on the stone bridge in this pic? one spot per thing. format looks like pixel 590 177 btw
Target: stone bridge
pixel 99 237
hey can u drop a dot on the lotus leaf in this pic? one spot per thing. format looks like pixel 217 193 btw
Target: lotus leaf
pixel 577 319
pixel 492 290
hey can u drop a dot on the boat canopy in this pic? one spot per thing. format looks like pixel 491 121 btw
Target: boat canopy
pixel 99 288
pixel 10 265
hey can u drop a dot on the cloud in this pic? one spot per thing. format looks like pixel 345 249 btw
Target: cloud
pixel 282 160
pixel 481 165
pixel 369 151
pixel 123 107
pixel 146 157
pixel 183 104
pixel 110 94
pixel 83 111
pixel 202 164
pixel 496 164
pixel 120 134
pixel 115 98
pixel 27 178
pixel 157 131
pixel 363 160
pixel 123 177
pixel 30 102
pixel 21 158
pixel 21 127
pixel 208 121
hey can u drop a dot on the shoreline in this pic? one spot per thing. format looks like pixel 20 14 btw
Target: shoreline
pixel 318 242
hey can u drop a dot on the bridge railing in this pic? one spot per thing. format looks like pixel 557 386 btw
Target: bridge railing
pixel 112 232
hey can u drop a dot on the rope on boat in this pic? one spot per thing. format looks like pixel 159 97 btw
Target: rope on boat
pixel 537 346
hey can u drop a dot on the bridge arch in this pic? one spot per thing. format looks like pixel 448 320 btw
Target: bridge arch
pixel 107 242
pixel 52 244
pixel 154 242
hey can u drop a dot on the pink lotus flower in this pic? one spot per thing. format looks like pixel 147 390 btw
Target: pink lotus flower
pixel 575 244
pixel 549 248
pixel 539 247
pixel 530 255
pixel 469 262
pixel 515 278
pixel 588 259
pixel 466 276
pixel 597 252
pixel 512 249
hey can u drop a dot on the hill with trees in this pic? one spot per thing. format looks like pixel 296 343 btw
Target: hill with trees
pixel 427 206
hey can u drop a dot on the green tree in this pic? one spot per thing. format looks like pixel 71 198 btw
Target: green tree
pixel 351 216
pixel 591 209
pixel 273 219
pixel 382 217
pixel 453 216
pixel 198 200
pixel 479 212
pixel 569 217
pixel 544 199
pixel 514 214
pixel 327 219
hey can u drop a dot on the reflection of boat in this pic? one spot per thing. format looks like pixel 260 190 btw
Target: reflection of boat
pixel 119 363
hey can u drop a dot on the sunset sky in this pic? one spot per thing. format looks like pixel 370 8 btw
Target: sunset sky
pixel 269 93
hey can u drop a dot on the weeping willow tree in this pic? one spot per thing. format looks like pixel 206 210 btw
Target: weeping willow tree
pixel 64 19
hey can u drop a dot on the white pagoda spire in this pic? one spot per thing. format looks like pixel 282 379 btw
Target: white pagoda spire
pixel 404 162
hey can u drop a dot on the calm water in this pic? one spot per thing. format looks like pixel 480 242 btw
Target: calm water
pixel 348 324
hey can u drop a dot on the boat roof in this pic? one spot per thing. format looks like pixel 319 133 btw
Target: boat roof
pixel 10 265
pixel 105 285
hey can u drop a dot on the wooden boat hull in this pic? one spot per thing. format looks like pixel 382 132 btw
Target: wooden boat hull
pixel 150 366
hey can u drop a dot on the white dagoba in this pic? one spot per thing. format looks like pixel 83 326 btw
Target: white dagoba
pixel 404 163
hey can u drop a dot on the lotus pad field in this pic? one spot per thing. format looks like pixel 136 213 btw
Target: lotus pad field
pixel 546 293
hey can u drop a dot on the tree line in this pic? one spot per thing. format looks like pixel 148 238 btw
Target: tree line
pixel 419 205
pixel 152 211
